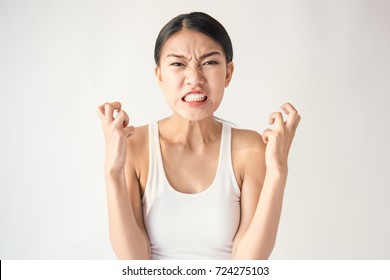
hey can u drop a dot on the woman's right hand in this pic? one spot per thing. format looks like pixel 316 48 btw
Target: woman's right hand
pixel 116 131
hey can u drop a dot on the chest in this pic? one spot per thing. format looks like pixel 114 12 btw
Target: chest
pixel 192 227
pixel 190 170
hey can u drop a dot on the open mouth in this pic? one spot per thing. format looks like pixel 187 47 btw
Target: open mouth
pixel 195 97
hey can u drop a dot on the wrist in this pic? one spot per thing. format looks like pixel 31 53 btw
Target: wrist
pixel 275 179
pixel 277 170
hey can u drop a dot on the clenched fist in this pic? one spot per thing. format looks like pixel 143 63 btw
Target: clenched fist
pixel 279 139
pixel 116 131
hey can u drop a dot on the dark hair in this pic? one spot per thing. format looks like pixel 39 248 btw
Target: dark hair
pixel 196 21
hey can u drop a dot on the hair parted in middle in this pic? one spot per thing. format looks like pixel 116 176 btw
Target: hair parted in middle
pixel 196 21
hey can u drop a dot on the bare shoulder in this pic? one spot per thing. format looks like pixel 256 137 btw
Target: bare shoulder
pixel 138 138
pixel 245 140
pixel 248 153
pixel 137 141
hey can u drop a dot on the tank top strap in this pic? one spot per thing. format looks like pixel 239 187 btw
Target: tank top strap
pixel 157 182
pixel 226 168
pixel 154 145
pixel 154 185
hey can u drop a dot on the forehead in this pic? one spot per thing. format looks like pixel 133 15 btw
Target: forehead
pixel 187 42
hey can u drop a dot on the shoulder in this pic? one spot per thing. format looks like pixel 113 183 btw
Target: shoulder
pixel 139 138
pixel 138 149
pixel 248 154
pixel 245 140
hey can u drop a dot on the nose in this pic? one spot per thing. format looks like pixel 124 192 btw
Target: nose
pixel 194 76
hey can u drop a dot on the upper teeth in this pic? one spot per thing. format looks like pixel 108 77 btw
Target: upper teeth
pixel 195 97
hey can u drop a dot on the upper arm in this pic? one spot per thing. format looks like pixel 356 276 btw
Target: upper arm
pixel 249 157
pixel 134 166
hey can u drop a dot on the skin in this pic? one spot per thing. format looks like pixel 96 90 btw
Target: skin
pixel 190 140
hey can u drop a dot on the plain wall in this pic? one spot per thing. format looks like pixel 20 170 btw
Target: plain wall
pixel 61 59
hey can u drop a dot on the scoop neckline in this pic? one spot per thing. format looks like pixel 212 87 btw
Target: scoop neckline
pixel 161 163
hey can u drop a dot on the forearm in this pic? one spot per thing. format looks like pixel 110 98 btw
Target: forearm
pixel 259 239
pixel 128 240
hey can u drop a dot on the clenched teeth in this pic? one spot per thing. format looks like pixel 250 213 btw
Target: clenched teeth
pixel 195 97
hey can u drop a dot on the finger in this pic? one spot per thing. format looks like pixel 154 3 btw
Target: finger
pixel 100 111
pixel 288 107
pixel 126 119
pixel 276 118
pixel 266 135
pixel 109 108
pixel 297 121
pixel 292 114
pixel 108 112
pixel 122 120
pixel 116 105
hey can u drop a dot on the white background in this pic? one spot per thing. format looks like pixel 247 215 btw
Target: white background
pixel 60 59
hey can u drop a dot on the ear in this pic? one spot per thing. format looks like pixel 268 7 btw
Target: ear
pixel 229 73
pixel 157 72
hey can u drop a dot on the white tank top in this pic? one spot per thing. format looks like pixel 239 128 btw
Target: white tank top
pixel 191 226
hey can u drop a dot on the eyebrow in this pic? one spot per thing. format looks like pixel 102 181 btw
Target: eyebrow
pixel 203 56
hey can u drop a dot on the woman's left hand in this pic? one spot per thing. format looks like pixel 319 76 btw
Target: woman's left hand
pixel 279 139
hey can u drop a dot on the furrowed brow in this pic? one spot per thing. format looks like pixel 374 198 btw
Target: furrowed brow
pixel 176 55
pixel 206 55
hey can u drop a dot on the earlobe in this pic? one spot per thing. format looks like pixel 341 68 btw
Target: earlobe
pixel 229 73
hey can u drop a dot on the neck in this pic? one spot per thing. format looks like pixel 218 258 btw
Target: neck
pixel 177 130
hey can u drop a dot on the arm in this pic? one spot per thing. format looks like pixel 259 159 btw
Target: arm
pixel 127 232
pixel 264 180
pixel 256 236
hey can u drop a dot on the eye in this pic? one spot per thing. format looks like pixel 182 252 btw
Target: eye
pixel 177 64
pixel 211 62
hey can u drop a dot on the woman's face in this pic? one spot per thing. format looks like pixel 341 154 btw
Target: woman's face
pixel 193 74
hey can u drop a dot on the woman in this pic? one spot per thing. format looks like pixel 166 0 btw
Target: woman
pixel 189 186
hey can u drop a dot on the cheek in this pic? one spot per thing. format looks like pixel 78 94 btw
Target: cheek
pixel 217 79
pixel 171 86
pixel 171 80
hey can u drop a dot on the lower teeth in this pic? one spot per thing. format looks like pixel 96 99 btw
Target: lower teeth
pixel 202 100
